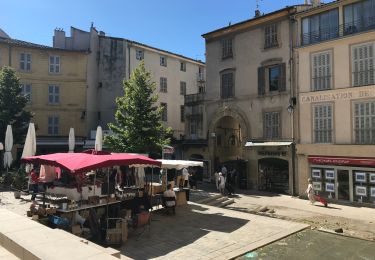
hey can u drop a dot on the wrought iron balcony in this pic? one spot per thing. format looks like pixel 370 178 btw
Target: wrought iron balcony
pixel 194 98
pixel 201 77
pixel 333 32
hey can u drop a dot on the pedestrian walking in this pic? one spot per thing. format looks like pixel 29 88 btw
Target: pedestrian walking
pixel 217 175
pixel 222 183
pixel 310 191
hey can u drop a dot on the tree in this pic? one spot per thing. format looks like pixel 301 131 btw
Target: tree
pixel 12 104
pixel 138 127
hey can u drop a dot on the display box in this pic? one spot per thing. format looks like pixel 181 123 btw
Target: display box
pixel 77 230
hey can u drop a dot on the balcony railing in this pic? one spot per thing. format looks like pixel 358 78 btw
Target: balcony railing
pixel 194 98
pixel 201 77
pixel 333 32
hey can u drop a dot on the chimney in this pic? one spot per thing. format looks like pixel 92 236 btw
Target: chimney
pixel 59 38
pixel 257 13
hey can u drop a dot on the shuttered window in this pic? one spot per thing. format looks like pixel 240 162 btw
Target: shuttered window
pixel 323 124
pixel 227 84
pixel 164 114
pixel 321 71
pixel 363 65
pixel 226 48
pixel 270 36
pixel 163 85
pixel 364 123
pixel 271 125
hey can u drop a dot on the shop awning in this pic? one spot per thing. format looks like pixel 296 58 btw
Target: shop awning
pixel 342 160
pixel 84 162
pixel 252 144
pixel 179 164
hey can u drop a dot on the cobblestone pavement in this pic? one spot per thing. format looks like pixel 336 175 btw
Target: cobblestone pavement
pixel 355 221
pixel 205 232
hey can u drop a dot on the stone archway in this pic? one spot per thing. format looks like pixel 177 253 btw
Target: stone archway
pixel 228 131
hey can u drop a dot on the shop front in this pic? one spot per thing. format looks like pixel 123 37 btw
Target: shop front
pixel 346 179
pixel 273 163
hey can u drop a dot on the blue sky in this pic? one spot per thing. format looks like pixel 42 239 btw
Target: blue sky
pixel 173 25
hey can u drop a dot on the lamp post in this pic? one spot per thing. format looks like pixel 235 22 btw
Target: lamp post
pixel 290 109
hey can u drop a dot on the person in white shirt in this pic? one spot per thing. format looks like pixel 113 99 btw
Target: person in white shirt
pixel 185 175
pixel 224 170
pixel 169 193
pixel 222 183
pixel 217 175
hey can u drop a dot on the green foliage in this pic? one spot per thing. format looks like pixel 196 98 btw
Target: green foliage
pixel 12 104
pixel 138 127
pixel 20 179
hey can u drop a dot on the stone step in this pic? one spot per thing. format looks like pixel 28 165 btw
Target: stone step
pixel 226 203
pixel 206 200
pixel 217 201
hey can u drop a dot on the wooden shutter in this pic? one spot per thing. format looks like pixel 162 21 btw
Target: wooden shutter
pixel 282 77
pixel 261 81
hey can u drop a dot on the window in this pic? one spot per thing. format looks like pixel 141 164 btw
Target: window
pixel 26 92
pixel 323 124
pixel 359 16
pixel 364 123
pixel 163 85
pixel 182 113
pixel 164 115
pixel 320 27
pixel 271 125
pixel 139 54
pixel 182 88
pixel 270 36
pixel 274 81
pixel 53 125
pixel 363 69
pixel 25 61
pixel 182 66
pixel 274 77
pixel 163 61
pixel 193 129
pixel 226 46
pixel 227 85
pixel 53 94
pixel 54 64
pixel 321 71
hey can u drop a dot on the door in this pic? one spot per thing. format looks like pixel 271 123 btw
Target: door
pixel 343 184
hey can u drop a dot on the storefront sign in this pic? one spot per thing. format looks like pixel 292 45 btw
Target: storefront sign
pixel 273 153
pixel 332 160
pixel 345 95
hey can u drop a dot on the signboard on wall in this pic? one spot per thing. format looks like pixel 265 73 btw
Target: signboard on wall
pixel 340 160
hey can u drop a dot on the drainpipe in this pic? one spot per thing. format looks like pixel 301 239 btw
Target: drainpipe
pixel 292 98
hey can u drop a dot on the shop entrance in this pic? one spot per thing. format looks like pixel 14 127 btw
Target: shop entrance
pixel 274 175
pixel 343 184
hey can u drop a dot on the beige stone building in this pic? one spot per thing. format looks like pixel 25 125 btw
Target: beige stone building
pixel 336 100
pixel 54 80
pixel 112 60
pixel 249 88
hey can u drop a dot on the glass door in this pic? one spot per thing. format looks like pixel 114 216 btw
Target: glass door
pixel 343 184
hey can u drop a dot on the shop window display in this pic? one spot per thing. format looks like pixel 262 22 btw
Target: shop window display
pixel 324 182
pixel 364 187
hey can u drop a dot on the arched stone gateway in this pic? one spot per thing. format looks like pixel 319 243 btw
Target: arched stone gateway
pixel 228 131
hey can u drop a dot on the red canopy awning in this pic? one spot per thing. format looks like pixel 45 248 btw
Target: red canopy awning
pixel 342 160
pixel 84 162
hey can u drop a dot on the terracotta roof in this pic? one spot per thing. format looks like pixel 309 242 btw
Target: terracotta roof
pixel 16 42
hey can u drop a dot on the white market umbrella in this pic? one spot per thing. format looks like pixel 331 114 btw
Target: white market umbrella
pixel 29 148
pixel 99 139
pixel 72 140
pixel 8 147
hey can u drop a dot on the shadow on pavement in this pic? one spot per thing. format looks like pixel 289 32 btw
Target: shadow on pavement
pixel 170 233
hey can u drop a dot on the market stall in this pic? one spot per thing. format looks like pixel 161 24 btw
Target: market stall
pixel 182 195
pixel 82 189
